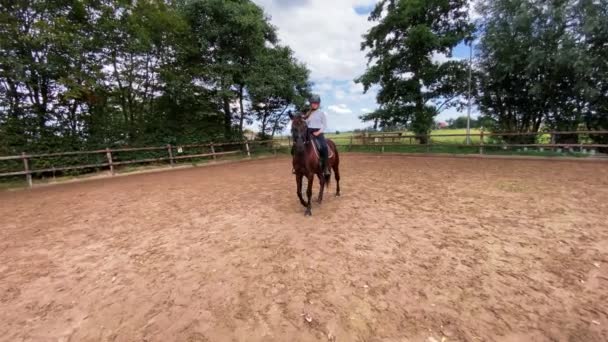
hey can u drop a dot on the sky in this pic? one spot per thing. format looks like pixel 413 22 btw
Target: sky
pixel 327 35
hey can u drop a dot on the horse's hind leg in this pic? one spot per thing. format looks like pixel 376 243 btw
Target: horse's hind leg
pixel 337 176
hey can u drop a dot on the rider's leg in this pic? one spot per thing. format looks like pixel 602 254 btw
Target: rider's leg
pixel 323 151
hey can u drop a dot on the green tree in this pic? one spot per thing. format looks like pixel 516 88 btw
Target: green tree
pixel 461 122
pixel 277 82
pixel 593 36
pixel 413 87
pixel 505 82
pixel 78 74
pixel 231 34
pixel 533 68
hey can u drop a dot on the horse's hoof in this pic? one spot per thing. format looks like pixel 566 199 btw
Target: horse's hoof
pixel 337 194
pixel 307 212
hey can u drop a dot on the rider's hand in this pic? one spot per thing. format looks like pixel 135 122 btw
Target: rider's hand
pixel 316 134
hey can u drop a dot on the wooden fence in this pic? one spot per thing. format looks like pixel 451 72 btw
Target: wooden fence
pixel 485 140
pixel 173 154
pixel 380 140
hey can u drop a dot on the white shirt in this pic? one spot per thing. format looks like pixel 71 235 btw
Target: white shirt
pixel 317 120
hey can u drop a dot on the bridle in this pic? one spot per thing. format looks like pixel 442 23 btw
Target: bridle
pixel 307 138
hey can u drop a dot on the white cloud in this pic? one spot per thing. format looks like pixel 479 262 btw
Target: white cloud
pixel 340 109
pixel 326 35
pixel 340 94
pixel 323 86
pixel 355 88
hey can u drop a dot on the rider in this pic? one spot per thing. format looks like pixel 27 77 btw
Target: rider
pixel 317 124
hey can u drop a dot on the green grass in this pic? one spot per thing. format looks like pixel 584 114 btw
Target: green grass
pixel 452 149
pixel 436 136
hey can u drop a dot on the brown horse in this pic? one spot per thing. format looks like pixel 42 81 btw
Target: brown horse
pixel 307 163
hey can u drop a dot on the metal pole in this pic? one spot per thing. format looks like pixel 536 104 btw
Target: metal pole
pixel 469 97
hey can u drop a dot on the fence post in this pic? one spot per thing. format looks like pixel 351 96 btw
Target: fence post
pixel 109 156
pixel 350 147
pixel 26 166
pixel 213 152
pixel 481 142
pixel 247 148
pixel 170 150
pixel 428 143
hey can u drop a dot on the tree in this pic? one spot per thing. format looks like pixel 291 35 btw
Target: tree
pixel 413 87
pixel 81 74
pixel 461 122
pixel 231 34
pixel 277 82
pixel 593 35
pixel 533 69
pixel 505 85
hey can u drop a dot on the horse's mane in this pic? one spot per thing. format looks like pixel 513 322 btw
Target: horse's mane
pixel 299 119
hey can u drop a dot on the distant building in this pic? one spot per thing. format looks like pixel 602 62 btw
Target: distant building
pixel 442 125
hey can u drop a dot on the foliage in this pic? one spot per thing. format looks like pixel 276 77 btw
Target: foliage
pixel 88 74
pixel 278 83
pixel 413 87
pixel 540 63
pixel 461 122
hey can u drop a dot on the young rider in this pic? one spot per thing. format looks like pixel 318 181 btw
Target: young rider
pixel 317 124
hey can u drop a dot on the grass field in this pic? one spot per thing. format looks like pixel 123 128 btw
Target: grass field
pixel 443 142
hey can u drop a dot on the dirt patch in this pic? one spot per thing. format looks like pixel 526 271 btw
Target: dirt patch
pixel 416 249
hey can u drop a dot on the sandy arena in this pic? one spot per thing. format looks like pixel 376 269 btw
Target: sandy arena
pixel 416 249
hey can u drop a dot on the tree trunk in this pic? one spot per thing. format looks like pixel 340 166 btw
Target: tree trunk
pixel 227 119
pixel 264 123
pixel 242 118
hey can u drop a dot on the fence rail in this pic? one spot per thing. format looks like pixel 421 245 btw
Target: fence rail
pixel 486 141
pixel 376 139
pixel 111 162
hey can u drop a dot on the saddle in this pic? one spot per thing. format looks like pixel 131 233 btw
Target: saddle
pixel 317 147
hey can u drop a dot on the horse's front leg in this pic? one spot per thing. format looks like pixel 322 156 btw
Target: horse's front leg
pixel 311 179
pixel 299 177
pixel 322 187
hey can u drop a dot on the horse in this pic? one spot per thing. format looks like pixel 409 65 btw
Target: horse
pixel 307 162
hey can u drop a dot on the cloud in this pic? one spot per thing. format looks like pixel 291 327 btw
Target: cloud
pixel 340 109
pixel 290 3
pixel 323 86
pixel 340 94
pixel 326 35
pixel 355 88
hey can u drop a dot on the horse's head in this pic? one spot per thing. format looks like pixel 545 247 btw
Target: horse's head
pixel 299 131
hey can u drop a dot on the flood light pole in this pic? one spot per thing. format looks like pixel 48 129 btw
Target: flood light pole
pixel 469 99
